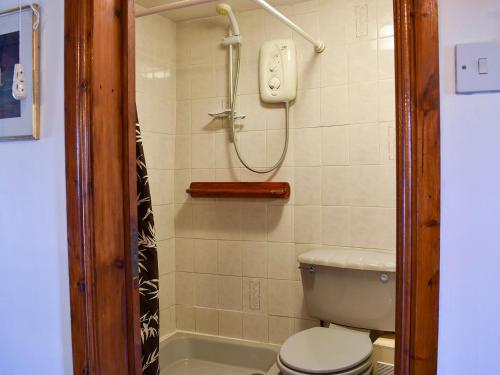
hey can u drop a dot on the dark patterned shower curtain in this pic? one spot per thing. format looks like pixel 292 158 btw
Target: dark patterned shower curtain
pixel 148 267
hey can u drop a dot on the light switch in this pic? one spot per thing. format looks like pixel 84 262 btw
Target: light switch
pixel 482 66
pixel 477 68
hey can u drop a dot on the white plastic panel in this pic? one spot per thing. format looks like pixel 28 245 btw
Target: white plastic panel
pixel 477 68
pixel 278 71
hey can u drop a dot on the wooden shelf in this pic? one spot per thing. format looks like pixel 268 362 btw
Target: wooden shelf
pixel 272 190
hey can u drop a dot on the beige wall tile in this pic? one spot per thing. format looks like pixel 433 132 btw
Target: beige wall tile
pixel 230 324
pixel 184 291
pixel 280 328
pixel 364 144
pixel 334 105
pixel 230 293
pixel 279 296
pixel 253 147
pixel 183 220
pixel 182 179
pixel 334 65
pixel 205 256
pixel 254 221
pixel 228 220
pixel 307 185
pixel 203 150
pixel 184 254
pixel 307 147
pixel 183 114
pixel 281 260
pixel 204 221
pixel 306 110
pixel 336 185
pixel 167 321
pixel 166 256
pixel 255 259
pixel 255 327
pixel 335 145
pixel 307 222
pixel 386 58
pixel 230 258
pixel 164 224
pixel 206 290
pixel 207 321
pixel 373 185
pixel 279 223
pixel 337 225
pixel 167 290
pixel 386 100
pixel 373 227
pixel 363 102
pixel 182 151
pixel 363 61
pixel 185 317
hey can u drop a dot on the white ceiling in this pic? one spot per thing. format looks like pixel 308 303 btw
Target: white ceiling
pixel 207 10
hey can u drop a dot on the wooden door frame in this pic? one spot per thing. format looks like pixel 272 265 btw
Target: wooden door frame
pixel 101 186
pixel 100 163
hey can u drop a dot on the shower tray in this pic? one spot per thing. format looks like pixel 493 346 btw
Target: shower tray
pixel 186 353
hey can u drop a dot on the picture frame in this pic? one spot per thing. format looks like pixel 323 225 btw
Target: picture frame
pixel 19 44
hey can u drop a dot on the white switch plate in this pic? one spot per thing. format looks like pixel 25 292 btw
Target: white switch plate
pixel 469 59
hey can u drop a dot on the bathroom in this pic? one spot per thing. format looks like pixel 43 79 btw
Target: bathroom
pixel 228 267
pixel 69 218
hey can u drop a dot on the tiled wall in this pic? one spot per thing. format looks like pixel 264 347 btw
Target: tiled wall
pixel 235 260
pixel 156 102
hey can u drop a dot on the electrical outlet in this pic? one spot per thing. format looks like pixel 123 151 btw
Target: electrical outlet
pixel 19 91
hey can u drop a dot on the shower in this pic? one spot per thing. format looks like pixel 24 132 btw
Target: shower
pixel 225 10
pixel 277 72
pixel 234 42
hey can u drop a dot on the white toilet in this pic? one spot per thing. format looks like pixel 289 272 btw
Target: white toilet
pixel 349 288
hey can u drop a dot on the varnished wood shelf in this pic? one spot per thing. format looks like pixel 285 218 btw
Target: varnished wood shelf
pixel 272 190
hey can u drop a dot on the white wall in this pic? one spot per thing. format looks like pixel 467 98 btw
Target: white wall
pixel 156 105
pixel 34 297
pixel 470 253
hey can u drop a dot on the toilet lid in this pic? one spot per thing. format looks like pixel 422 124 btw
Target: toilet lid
pixel 325 350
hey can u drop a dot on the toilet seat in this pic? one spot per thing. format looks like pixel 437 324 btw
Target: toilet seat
pixel 327 351
pixel 363 369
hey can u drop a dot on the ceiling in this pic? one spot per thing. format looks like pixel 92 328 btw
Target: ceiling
pixel 207 10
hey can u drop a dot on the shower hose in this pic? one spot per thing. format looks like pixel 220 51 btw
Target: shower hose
pixel 232 119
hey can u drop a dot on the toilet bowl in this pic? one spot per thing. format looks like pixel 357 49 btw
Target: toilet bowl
pixel 328 351
pixel 351 288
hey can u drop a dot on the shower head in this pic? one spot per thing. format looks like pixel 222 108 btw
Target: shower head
pixel 225 10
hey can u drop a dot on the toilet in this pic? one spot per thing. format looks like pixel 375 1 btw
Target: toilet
pixel 354 290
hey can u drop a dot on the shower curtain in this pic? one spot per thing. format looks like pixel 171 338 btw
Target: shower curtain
pixel 148 267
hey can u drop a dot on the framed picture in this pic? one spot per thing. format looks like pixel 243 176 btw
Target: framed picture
pixel 19 44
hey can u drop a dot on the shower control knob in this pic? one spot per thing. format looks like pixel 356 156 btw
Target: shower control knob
pixel 274 83
pixel 274 66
